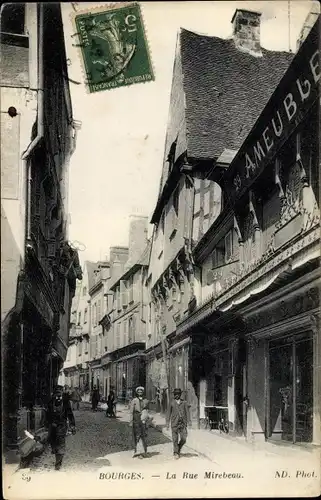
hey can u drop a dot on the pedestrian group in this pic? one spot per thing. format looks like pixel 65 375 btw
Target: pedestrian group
pixel 61 419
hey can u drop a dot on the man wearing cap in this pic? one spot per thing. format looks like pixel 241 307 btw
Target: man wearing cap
pixel 58 414
pixel 178 415
pixel 137 422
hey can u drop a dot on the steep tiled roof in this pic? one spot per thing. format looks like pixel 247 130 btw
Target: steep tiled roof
pixel 225 91
pixel 142 261
pixel 144 258
pixel 90 266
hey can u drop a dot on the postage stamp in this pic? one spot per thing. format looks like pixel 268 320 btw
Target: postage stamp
pixel 114 47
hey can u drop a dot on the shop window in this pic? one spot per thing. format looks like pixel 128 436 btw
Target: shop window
pixel 291 389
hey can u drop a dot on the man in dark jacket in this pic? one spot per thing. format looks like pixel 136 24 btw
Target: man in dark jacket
pixel 95 398
pixel 59 412
pixel 178 415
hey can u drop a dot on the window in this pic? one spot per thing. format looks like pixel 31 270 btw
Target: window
pixel 79 346
pixel 218 256
pixel 223 252
pixel 123 293
pixel 13 18
pixel 125 332
pixel 84 291
pixel 131 289
pixel 228 246
pixel 117 335
pixel 118 298
pixel 94 314
pixel 130 330
pixel 79 319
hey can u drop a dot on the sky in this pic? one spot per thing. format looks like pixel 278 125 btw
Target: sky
pixel 116 167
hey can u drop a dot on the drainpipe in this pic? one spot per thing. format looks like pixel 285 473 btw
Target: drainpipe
pixel 40 122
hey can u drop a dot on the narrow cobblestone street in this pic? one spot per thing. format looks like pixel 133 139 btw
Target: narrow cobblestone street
pixel 101 441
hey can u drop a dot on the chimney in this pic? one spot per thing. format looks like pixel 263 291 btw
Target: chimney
pixel 246 31
pixel 118 257
pixel 137 238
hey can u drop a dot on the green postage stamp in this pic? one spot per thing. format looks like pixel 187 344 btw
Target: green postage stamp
pixel 114 47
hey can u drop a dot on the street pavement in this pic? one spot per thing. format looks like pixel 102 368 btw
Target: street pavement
pixel 99 463
pixel 101 441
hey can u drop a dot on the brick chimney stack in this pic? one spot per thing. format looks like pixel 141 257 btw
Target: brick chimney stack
pixel 246 31
pixel 118 257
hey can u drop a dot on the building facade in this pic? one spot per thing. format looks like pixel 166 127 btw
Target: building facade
pixel 128 317
pixel 206 127
pixel 98 308
pixel 76 371
pixel 39 266
pixel 118 259
pixel 255 338
pixel 90 342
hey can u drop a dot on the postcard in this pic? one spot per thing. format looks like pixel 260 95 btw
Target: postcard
pixel 160 229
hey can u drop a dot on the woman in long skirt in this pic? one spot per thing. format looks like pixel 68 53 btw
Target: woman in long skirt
pixel 138 404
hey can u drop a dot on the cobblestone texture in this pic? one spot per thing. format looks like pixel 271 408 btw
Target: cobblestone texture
pixel 100 441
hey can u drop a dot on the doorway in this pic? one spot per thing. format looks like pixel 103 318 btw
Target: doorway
pixel 291 389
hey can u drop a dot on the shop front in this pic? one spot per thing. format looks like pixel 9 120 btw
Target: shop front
pixel 130 373
pixel 96 376
pixel 291 388
pixel 284 356
pixel 106 375
pixel 128 370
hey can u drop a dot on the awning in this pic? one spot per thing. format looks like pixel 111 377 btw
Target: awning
pixel 180 344
pixel 256 291
pixel 129 356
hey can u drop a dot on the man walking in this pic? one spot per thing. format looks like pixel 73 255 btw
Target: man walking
pixel 95 398
pixel 58 414
pixel 75 398
pixel 178 415
pixel 138 408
